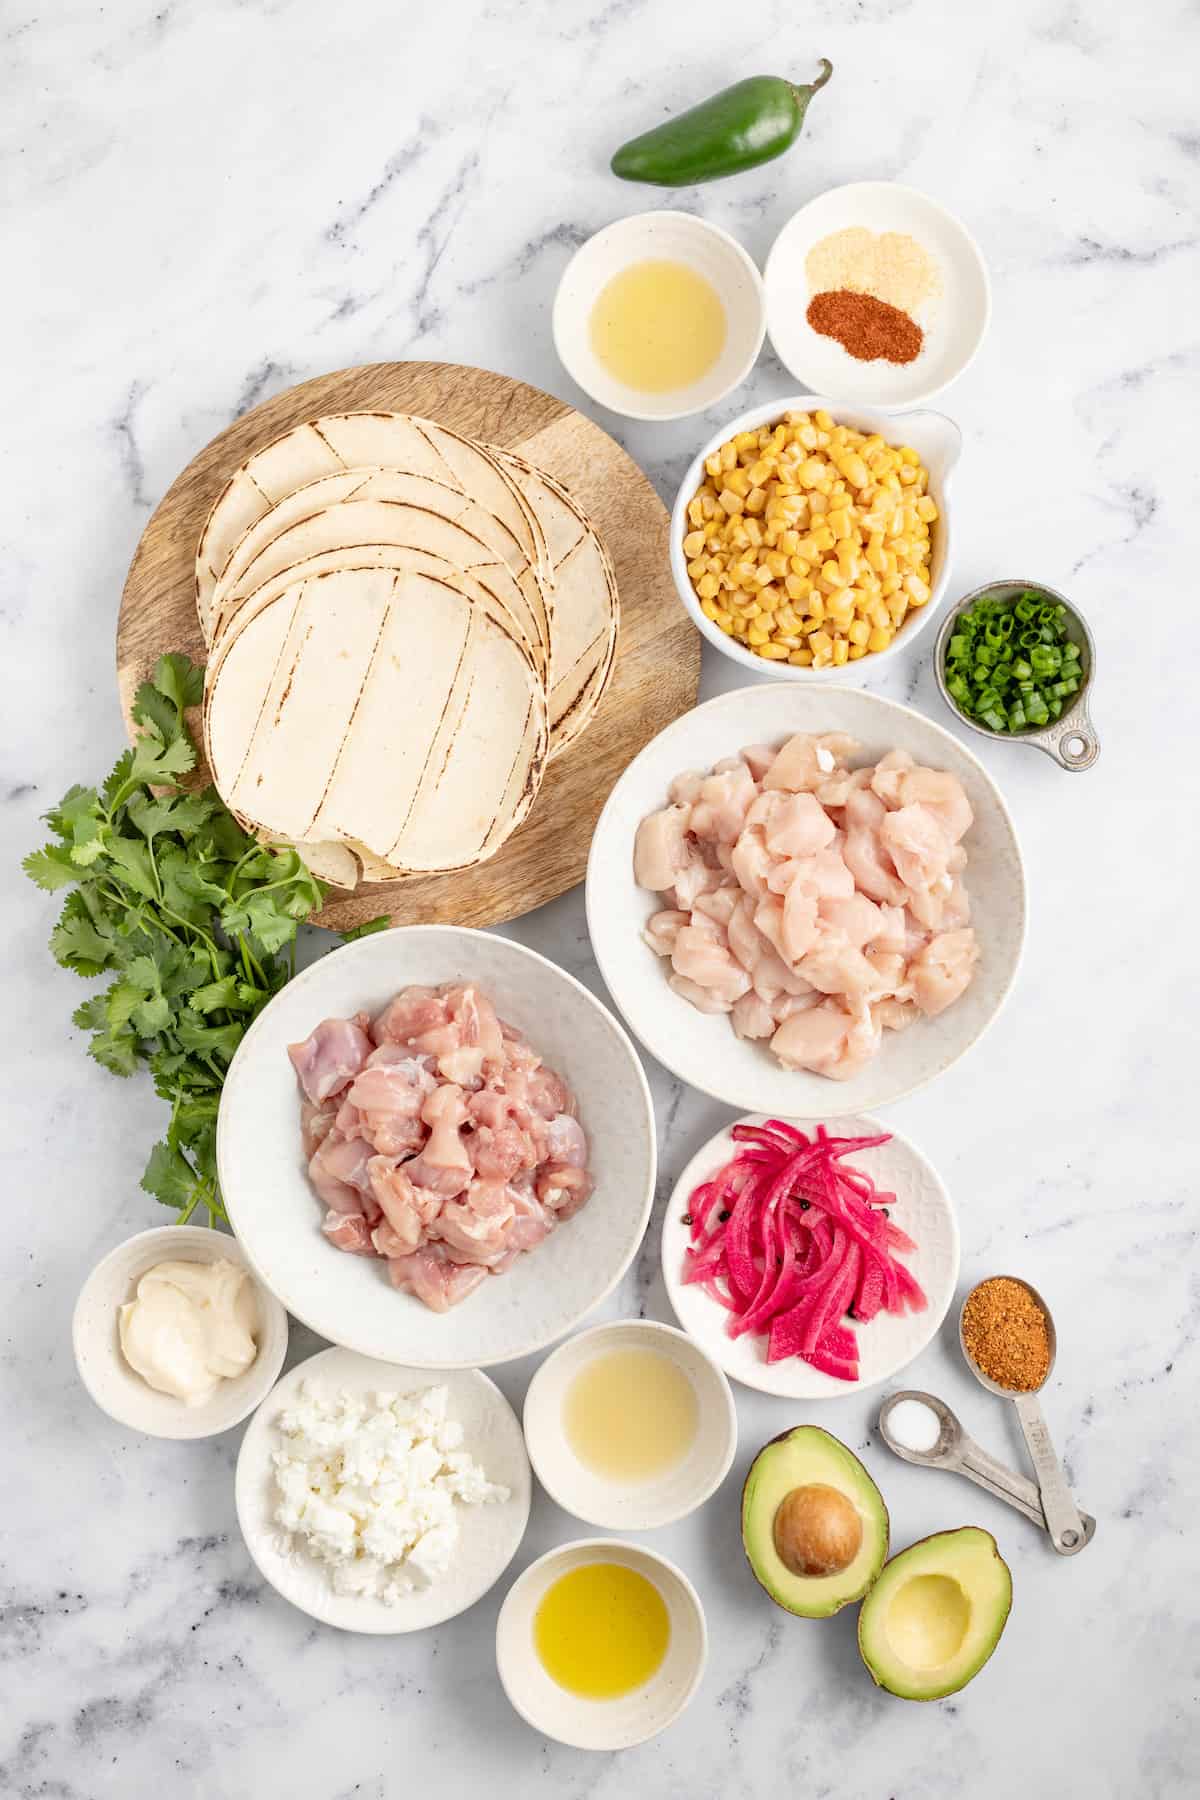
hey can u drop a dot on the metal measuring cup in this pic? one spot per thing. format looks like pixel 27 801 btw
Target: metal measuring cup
pixel 1063 1520
pixel 1071 738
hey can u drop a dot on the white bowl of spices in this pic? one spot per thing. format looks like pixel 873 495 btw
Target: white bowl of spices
pixel 876 295
pixel 659 315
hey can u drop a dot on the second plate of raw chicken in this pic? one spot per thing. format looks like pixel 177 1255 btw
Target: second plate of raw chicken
pixel 806 902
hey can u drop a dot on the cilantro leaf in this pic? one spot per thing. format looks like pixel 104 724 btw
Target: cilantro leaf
pixel 180 680
pixel 51 867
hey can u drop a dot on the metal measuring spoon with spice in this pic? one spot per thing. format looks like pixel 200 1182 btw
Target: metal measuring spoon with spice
pixel 1008 1338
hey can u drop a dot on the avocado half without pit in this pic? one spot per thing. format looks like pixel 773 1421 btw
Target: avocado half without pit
pixel 936 1614
pixel 814 1526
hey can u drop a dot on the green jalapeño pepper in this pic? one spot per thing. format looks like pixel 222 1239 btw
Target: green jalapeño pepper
pixel 737 129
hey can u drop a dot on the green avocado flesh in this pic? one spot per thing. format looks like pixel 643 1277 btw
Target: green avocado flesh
pixel 806 1459
pixel 936 1614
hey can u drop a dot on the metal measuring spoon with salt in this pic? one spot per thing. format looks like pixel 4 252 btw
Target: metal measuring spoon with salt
pixel 938 1441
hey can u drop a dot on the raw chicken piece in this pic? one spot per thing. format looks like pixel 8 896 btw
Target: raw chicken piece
pixel 660 849
pixel 703 959
pixel 864 854
pixel 331 1056
pixel 799 826
pixel 430 1274
pixel 407 1209
pixel 942 795
pixel 685 789
pixel 388 1098
pixel 720 812
pixel 895 1015
pixel 752 1017
pixel 888 775
pixel 858 919
pixel 837 788
pixel 316 1122
pixel 835 966
pixel 814 1038
pixel 942 970
pixel 825 875
pixel 566 1142
pixel 412 1012
pixel 758 759
pixel 805 761
pixel 702 998
pixel 799 924
pixel 918 848
pixel 349 1231
pixel 338 1171
pixel 662 931
pixel 751 861
pixel 696 878
pixel 719 905
pixel 563 1188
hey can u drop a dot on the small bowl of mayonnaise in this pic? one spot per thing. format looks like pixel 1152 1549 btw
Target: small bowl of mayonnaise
pixel 174 1335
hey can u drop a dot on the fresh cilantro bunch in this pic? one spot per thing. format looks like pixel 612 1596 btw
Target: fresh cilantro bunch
pixel 194 920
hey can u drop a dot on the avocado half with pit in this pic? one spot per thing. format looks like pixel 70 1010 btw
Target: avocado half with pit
pixel 936 1614
pixel 814 1526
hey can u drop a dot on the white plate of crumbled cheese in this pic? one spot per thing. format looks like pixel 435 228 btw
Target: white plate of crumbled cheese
pixel 381 1498
pixel 876 294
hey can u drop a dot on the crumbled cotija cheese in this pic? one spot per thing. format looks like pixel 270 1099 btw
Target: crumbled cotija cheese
pixel 368 1484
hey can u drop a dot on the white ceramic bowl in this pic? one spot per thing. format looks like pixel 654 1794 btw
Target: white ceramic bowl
pixel 623 1506
pixel 889 1342
pixel 489 1536
pixel 676 237
pixel 122 1393
pixel 938 442
pixel 953 320
pixel 348 1299
pixel 702 1048
pixel 600 1724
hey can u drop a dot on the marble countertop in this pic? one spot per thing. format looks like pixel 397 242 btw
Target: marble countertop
pixel 206 201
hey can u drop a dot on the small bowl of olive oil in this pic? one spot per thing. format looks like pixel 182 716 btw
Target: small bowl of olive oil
pixel 600 1644
pixel 659 315
pixel 630 1425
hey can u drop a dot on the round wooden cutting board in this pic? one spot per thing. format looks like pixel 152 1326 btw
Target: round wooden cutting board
pixel 657 666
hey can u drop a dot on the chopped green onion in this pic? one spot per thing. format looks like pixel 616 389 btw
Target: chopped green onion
pixel 1010 665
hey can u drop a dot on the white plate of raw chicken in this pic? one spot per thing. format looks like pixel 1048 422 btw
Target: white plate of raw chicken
pixel 278 1215
pixel 875 1038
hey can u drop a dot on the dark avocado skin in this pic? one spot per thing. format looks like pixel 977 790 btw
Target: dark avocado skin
pixel 780 1438
pixel 926 1699
pixel 737 129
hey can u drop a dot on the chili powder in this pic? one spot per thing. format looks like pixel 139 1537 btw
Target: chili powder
pixel 869 329
pixel 1004 1330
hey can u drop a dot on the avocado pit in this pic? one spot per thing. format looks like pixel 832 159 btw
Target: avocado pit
pixel 818 1531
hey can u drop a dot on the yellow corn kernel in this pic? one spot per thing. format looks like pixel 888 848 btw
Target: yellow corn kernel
pixel 897 606
pixel 787 619
pixel 857 650
pixel 926 509
pixel 879 639
pixel 820 643
pixel 840 647
pixel 795 586
pixel 858 631
pixel 916 589
pixel 758 634
pixel 855 470
pixel 694 543
pixel 754 532
pixel 773 652
pixel 839 522
pixel 876 611
pixel 733 503
pixel 823 540
pixel 822 420
pixel 707 587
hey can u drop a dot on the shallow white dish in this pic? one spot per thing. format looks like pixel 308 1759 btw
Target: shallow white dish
pixel 118 1389
pixel 348 1299
pixel 620 1506
pixel 889 1342
pixel 938 442
pixel 489 1535
pixel 676 237
pixel 953 320
pixel 702 1048
pixel 600 1724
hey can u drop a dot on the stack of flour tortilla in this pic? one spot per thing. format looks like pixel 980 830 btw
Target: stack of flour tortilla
pixel 405 626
